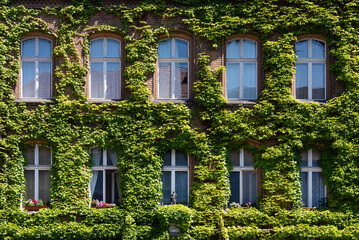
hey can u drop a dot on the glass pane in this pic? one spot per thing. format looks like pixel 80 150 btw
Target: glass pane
pixel 97 156
pixel 181 49
pixel 249 80
pixel 44 185
pixel 44 48
pixel 112 190
pixel 181 178
pixel 304 186
pixel 301 81
pixel 30 184
pixel 304 157
pixel 30 155
pixel 315 158
pixel 166 187
pixel 235 158
pixel 233 49
pixel 113 80
pixel 44 80
pixel 181 158
pixel 112 158
pixel 97 185
pixel 234 182
pixel 248 158
pixel 44 156
pixel 28 79
pixel 318 80
pixel 318 49
pixel 165 86
pixel 96 48
pixel 113 48
pixel 232 80
pixel 181 80
pixel 167 159
pixel 249 186
pixel 97 90
pixel 164 49
pixel 249 49
pixel 28 48
pixel 318 189
pixel 301 48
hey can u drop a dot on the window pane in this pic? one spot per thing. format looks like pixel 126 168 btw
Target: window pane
pixel 181 158
pixel 97 185
pixel 301 48
pixel 28 48
pixel 249 186
pixel 318 49
pixel 233 49
pixel 318 189
pixel 181 178
pixel 304 157
pixel 167 158
pixel 304 185
pixel 44 156
pixel 164 49
pixel 248 158
pixel 235 158
pixel 181 80
pixel 44 185
pixel 301 81
pixel 232 80
pixel 318 81
pixel 97 156
pixel 234 182
pixel 113 48
pixel 113 80
pixel 44 80
pixel 44 48
pixel 30 184
pixel 181 49
pixel 166 187
pixel 97 80
pixel 30 155
pixel 315 158
pixel 112 190
pixel 165 86
pixel 96 48
pixel 28 79
pixel 112 158
pixel 249 80
pixel 249 49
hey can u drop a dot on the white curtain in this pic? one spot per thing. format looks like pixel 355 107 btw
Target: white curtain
pixel 93 182
pixel 113 156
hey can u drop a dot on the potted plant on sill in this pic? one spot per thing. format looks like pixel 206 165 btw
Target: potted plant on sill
pixel 34 205
pixel 100 204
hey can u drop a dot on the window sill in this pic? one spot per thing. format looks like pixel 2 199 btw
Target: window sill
pixel 34 100
pixel 94 100
pixel 241 102
pixel 176 101
pixel 321 102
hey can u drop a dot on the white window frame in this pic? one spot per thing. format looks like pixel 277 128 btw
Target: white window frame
pixel 173 60
pixel 105 60
pixel 241 62
pixel 310 169
pixel 36 168
pixel 310 61
pixel 36 59
pixel 103 168
pixel 173 169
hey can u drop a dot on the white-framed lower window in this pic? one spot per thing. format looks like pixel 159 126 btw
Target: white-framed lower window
pixel 104 185
pixel 37 172
pixel 314 191
pixel 243 178
pixel 175 176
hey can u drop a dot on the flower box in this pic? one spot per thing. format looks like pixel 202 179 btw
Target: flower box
pixel 35 208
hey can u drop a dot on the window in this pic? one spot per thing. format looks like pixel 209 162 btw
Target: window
pixel 105 68
pixel 243 179
pixel 310 67
pixel 313 188
pixel 37 173
pixel 175 176
pixel 104 184
pixel 173 69
pixel 242 69
pixel 36 68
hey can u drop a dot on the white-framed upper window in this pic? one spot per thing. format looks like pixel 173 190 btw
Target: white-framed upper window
pixel 241 58
pixel 175 176
pixel 37 172
pixel 36 68
pixel 243 178
pixel 173 65
pixel 310 76
pixel 104 185
pixel 105 68
pixel 314 191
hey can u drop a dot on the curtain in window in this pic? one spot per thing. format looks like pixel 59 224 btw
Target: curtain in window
pixel 97 185
pixel 44 79
pixel 234 181
pixel 181 179
pixel 97 84
pixel 97 156
pixel 30 184
pixel 249 80
pixel 304 185
pixel 249 186
pixel 113 80
pixel 318 189
pixel 233 80
pixel 44 185
pixel 166 187
pixel 28 79
pixel 165 84
pixel 112 158
pixel 181 79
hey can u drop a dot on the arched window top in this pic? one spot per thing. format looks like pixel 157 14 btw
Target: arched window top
pixel 173 48
pixel 105 48
pixel 36 47
pixel 310 48
pixel 241 48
